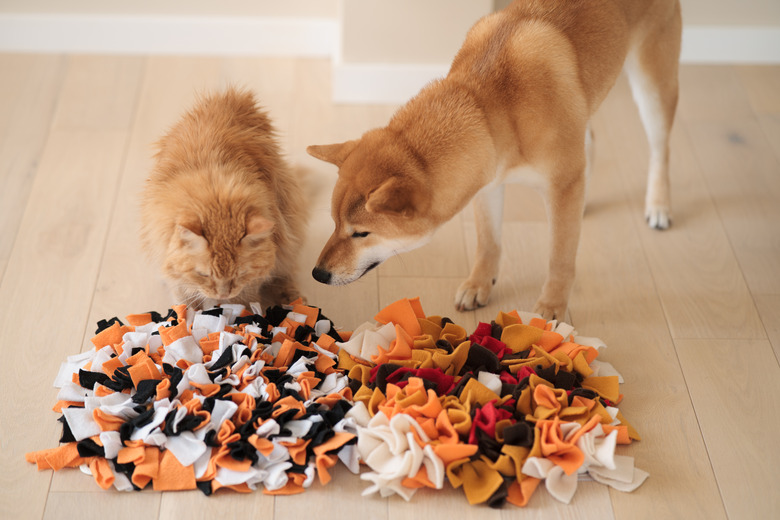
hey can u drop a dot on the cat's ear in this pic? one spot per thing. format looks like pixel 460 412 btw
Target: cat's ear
pixel 332 153
pixel 257 228
pixel 190 235
pixel 397 196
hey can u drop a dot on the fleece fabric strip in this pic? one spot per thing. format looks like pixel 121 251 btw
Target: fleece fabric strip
pixel 229 398
pixel 224 398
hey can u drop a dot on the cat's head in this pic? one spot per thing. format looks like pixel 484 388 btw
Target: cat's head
pixel 219 256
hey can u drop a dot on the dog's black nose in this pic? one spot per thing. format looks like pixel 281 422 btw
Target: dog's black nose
pixel 321 275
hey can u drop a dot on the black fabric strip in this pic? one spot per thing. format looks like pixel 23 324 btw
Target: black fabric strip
pixel 105 324
pixel 254 319
pixel 90 448
pixel 519 434
pixel 225 359
pixel 496 330
pixel 302 333
pixel 205 487
pixel 87 379
pixel 67 435
pixel 480 358
pixel 146 390
pixel 498 498
pixel 275 315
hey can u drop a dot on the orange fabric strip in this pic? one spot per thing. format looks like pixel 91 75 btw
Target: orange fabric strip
pixel 172 476
pixel 101 471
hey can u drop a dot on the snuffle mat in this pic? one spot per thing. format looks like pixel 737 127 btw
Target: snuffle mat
pixel 233 398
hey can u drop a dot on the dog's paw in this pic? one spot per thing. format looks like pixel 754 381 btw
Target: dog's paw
pixel 472 295
pixel 657 217
pixel 550 311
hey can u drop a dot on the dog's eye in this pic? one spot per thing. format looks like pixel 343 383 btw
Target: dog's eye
pixel 360 234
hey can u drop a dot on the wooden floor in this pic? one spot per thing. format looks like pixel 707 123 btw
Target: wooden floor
pixel 691 315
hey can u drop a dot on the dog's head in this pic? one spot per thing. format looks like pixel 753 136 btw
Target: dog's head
pixel 380 205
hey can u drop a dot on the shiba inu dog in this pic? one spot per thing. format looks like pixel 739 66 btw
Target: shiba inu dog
pixel 517 99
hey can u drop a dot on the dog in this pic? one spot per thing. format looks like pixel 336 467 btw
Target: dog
pixel 514 107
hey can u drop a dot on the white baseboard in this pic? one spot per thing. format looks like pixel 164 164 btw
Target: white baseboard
pixel 192 35
pixel 731 45
pixel 386 83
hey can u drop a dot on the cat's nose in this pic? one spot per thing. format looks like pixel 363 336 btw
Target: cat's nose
pixel 321 275
pixel 223 290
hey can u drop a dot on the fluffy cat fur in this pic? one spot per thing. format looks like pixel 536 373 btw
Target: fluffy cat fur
pixel 221 212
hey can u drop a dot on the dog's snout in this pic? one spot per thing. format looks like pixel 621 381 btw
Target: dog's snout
pixel 321 275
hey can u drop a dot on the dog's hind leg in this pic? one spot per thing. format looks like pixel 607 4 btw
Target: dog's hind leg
pixel 589 140
pixel 652 68
pixel 488 214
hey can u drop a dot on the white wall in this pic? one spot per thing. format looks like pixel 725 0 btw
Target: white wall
pixel 731 13
pixel 406 31
pixel 257 27
pixel 760 13
pixel 266 8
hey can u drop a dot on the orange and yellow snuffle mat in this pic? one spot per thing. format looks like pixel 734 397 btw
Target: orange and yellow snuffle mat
pixel 233 398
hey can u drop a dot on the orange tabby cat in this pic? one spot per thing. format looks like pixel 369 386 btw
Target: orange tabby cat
pixel 221 212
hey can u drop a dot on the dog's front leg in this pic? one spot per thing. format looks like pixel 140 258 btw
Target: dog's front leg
pixel 488 214
pixel 565 202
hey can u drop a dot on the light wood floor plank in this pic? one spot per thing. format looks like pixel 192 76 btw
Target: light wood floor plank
pixel 742 176
pixel 53 266
pixel 90 506
pixel 616 299
pixel 761 84
pixel 103 88
pixel 29 89
pixel 590 502
pixel 742 168
pixel 340 498
pixel 441 504
pixel 443 256
pixel 735 386
pixel 768 306
pixel 61 237
pixel 707 92
pixel 223 504
pixel 770 124
pixel 697 275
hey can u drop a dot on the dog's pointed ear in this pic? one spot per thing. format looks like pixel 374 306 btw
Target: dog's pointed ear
pixel 397 196
pixel 332 153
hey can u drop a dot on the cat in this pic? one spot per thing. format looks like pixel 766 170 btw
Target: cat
pixel 222 212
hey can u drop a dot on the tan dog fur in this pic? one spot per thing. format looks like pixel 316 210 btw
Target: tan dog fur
pixel 514 107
